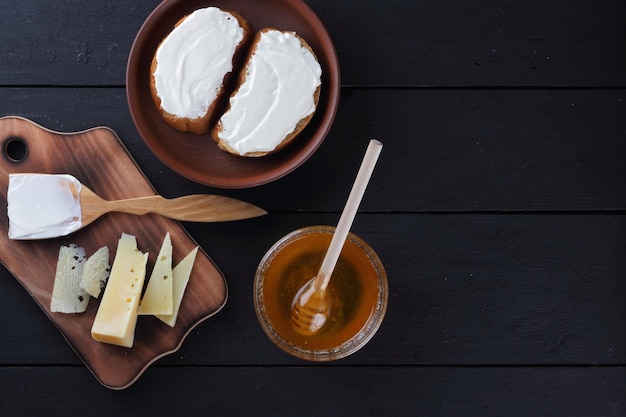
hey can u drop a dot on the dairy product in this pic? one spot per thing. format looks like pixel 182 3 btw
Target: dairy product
pixel 157 298
pixel 281 79
pixel 180 275
pixel 193 60
pixel 43 205
pixel 116 318
pixel 96 272
pixel 67 295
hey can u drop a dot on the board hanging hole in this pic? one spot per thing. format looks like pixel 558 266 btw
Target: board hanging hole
pixel 15 149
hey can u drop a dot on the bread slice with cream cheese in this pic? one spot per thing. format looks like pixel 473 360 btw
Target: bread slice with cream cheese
pixel 191 68
pixel 276 97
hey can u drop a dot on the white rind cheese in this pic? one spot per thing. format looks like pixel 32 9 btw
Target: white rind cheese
pixel 40 206
pixel 96 272
pixel 158 296
pixel 180 275
pixel 67 295
pixel 116 318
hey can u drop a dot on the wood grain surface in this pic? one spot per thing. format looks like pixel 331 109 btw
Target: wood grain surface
pixel 498 208
pixel 99 160
pixel 431 43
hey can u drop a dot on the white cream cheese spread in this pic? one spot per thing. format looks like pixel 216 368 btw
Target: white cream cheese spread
pixel 42 206
pixel 193 60
pixel 281 79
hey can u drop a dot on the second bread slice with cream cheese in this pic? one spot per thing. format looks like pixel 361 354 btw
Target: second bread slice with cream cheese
pixel 277 95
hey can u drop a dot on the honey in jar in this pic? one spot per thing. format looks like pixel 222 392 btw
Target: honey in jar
pixel 357 292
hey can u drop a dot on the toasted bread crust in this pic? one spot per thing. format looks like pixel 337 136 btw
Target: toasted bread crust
pixel 203 124
pixel 242 78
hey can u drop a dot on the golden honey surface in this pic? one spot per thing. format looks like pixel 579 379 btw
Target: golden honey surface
pixel 353 290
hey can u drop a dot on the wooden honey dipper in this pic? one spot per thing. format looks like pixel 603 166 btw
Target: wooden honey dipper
pixel 311 305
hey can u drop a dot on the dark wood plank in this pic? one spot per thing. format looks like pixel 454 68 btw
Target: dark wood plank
pixel 69 43
pixel 464 289
pixel 469 289
pixel 322 391
pixel 472 150
pixel 497 207
pixel 468 43
pixel 444 43
pixel 445 150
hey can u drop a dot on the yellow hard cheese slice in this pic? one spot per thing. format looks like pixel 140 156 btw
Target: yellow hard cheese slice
pixel 158 296
pixel 117 315
pixel 180 276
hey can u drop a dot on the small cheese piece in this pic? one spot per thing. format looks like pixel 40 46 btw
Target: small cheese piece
pixel 67 295
pixel 96 272
pixel 158 296
pixel 180 275
pixel 117 315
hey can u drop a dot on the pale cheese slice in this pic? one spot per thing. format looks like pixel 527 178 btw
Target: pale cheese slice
pixel 158 296
pixel 96 272
pixel 180 275
pixel 67 295
pixel 116 318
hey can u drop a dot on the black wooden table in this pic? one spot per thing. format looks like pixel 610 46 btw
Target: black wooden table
pixel 498 208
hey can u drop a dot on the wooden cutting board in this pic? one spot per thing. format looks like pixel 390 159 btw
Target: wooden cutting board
pixel 98 159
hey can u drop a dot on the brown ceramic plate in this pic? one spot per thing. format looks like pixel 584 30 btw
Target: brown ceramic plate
pixel 197 157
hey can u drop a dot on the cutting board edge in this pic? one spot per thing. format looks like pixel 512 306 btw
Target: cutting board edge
pixel 222 300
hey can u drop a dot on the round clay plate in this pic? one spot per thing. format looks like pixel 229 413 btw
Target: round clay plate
pixel 197 157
